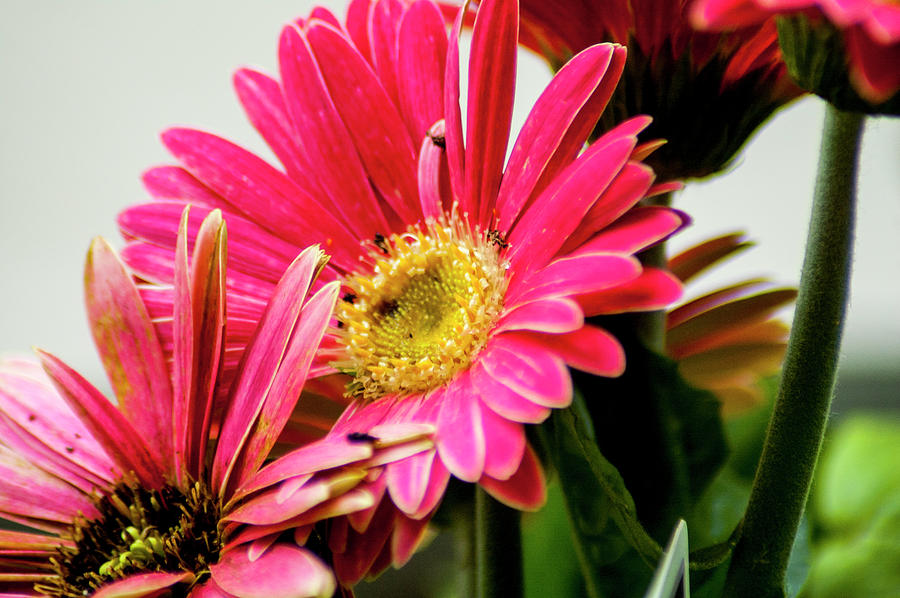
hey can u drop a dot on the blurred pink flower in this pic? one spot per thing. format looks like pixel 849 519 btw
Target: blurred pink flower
pixel 706 92
pixel 466 283
pixel 163 491
pixel 871 33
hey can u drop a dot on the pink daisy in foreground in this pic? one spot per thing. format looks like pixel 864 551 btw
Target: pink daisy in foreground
pixel 466 283
pixel 870 29
pixel 141 499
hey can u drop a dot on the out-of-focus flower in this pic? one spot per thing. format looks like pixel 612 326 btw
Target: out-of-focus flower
pixel 162 493
pixel 728 340
pixel 465 283
pixel 824 41
pixel 707 92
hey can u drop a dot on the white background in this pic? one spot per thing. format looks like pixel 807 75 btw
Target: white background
pixel 86 87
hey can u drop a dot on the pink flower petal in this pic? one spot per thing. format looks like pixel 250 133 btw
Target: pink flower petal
pixel 434 492
pixel 408 536
pixel 407 480
pixel 358 26
pixel 260 365
pixel 545 226
pixel 379 134
pixel 574 275
pixel 433 176
pixel 174 182
pixel 639 228
pixel 558 125
pixel 263 102
pixel 260 192
pixel 107 425
pixel 653 289
pixel 492 82
pixel 384 21
pixel 552 314
pixel 422 56
pixel 526 490
pixel 452 115
pixel 504 445
pixel 505 401
pixel 127 343
pixel 460 437
pixel 538 375
pixel 144 584
pixel 590 349
pixel 283 572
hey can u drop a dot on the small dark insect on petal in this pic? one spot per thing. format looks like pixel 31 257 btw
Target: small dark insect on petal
pixel 381 243
pixel 349 297
pixel 360 437
pixel 497 238
pixel 438 140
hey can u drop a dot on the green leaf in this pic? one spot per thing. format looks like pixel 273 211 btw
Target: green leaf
pixel 664 436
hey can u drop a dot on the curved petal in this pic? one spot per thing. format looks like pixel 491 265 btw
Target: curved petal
pixel 525 490
pixel 653 289
pixel 421 57
pixel 504 400
pixel 131 354
pixel 144 584
pixel 284 571
pixel 460 436
pixel 538 375
pixel 552 314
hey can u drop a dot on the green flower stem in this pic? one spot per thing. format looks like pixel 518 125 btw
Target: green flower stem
pixel 801 408
pixel 498 549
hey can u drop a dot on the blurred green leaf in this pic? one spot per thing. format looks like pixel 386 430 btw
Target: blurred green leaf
pixel 855 511
pixel 549 556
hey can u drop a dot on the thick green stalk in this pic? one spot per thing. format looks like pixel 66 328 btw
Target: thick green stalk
pixel 801 408
pixel 498 549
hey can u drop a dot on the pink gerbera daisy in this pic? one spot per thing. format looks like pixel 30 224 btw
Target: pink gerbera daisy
pixel 466 283
pixel 870 28
pixel 162 493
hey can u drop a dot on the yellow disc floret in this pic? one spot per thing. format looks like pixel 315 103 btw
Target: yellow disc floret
pixel 422 309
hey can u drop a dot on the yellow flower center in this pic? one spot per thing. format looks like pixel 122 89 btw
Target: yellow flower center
pixel 422 310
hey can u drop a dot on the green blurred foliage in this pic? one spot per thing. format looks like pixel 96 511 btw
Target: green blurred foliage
pixel 855 511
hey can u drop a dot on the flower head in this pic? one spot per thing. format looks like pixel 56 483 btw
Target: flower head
pixel 165 491
pixel 706 92
pixel 728 340
pixel 465 278
pixel 825 40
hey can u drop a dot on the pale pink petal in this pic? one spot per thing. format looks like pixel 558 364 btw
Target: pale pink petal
pixel 422 56
pixel 653 289
pixel 143 584
pixel 552 314
pixel 433 177
pixel 127 343
pixel 538 375
pixel 283 572
pixel 558 125
pixel 504 444
pixel 407 480
pixel 209 590
pixel 492 81
pixel 106 424
pixel 434 492
pixel 505 401
pixel 526 490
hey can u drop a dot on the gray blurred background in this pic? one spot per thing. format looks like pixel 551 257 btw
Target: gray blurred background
pixel 86 87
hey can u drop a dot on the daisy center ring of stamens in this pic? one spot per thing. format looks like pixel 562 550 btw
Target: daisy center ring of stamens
pixel 422 310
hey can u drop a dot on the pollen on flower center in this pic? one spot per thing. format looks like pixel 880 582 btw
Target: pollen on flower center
pixel 138 530
pixel 422 309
